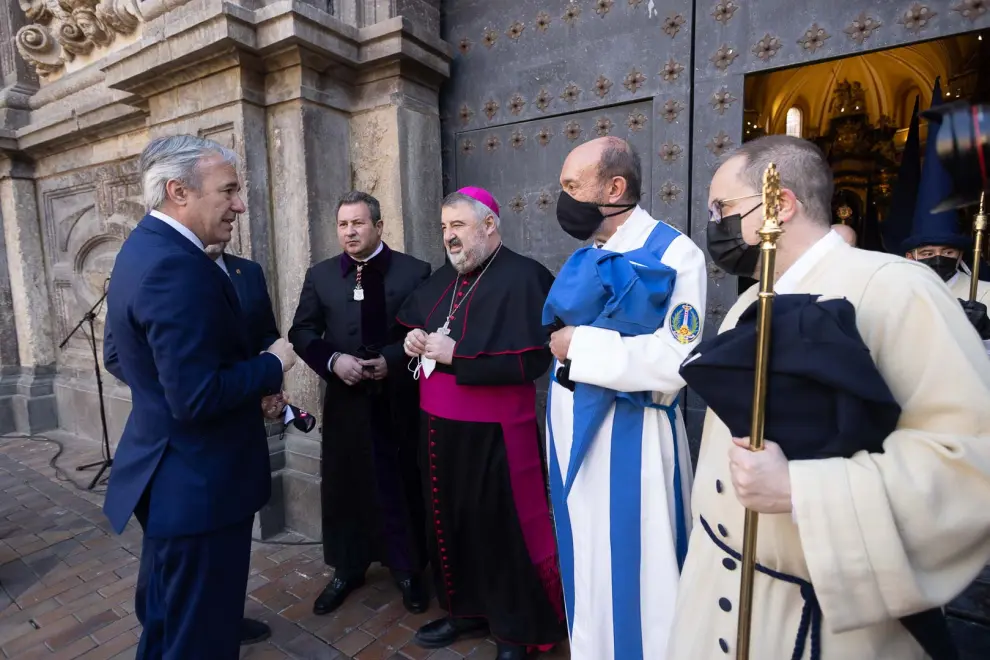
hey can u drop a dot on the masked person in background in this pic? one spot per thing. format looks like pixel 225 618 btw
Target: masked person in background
pixel 478 345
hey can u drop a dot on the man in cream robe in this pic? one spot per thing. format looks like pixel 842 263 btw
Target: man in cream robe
pixel 855 543
pixel 623 515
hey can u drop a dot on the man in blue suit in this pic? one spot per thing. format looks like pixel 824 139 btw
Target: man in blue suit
pixel 249 282
pixel 192 463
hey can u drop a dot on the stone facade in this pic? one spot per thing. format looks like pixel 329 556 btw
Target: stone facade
pixel 316 97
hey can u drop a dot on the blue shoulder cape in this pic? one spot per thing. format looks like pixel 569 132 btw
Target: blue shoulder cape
pixel 625 292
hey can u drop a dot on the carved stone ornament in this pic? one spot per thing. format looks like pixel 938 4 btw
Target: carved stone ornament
pixel 515 30
pixel 491 108
pixel 636 121
pixel 719 144
pixel 63 29
pixel 517 139
pixel 544 201
pixel 603 126
pixel 671 109
pixel 724 10
pixel 669 192
pixel 543 100
pixel 814 38
pixel 603 7
pixel 571 13
pixel 602 86
pixel 672 25
pixel 634 80
pixel 670 152
pixel 516 103
pixel 862 27
pixel 671 71
pixel 543 21
pixel 571 93
pixel 971 9
pixel 492 143
pixel 767 47
pixel 572 130
pixel 916 17
pixel 721 100
pixel 517 204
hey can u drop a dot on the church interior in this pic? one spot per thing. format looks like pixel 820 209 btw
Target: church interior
pixel 860 110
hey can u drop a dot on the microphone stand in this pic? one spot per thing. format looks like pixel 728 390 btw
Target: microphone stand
pixel 89 317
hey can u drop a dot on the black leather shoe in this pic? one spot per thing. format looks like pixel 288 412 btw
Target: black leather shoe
pixel 253 631
pixel 511 652
pixel 334 594
pixel 444 632
pixel 414 596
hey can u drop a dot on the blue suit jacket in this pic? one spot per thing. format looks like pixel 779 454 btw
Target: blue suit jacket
pixel 195 438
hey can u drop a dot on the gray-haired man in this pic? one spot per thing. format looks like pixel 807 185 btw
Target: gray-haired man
pixel 192 463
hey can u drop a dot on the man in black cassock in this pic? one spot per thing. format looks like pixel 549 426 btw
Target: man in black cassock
pixel 345 330
pixel 478 345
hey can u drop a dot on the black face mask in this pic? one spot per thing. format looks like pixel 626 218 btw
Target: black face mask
pixel 581 219
pixel 728 249
pixel 944 267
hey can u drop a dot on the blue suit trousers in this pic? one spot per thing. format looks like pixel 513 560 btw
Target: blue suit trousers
pixel 190 594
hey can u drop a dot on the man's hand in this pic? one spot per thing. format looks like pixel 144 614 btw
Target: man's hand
pixel 560 342
pixel 439 347
pixel 415 343
pixel 976 312
pixel 348 369
pixel 272 406
pixel 761 478
pixel 378 368
pixel 282 349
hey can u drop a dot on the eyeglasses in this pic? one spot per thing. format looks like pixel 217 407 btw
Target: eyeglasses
pixel 716 208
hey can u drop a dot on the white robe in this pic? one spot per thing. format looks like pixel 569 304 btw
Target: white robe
pixel 647 363
pixel 878 535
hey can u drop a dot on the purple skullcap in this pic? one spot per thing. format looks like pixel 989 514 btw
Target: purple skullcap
pixel 481 195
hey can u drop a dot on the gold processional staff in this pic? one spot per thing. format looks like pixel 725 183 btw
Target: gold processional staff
pixel 979 230
pixel 769 233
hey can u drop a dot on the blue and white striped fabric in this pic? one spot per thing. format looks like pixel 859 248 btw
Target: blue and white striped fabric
pixel 623 524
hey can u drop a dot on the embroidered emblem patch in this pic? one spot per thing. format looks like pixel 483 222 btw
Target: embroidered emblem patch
pixel 685 324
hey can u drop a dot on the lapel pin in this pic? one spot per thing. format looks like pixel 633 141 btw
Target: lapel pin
pixel 238 271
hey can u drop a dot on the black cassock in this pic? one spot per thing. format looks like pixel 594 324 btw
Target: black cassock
pixel 370 491
pixel 492 543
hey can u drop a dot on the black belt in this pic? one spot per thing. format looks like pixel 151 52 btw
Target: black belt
pixel 929 628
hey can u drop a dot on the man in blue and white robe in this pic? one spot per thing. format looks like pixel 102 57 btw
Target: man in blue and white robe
pixel 620 467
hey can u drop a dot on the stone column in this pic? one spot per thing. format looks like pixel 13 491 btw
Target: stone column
pixel 34 407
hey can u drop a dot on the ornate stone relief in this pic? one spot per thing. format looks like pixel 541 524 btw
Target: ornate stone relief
pixel 64 29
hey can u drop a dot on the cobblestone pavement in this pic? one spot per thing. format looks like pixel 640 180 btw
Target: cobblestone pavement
pixel 67 581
